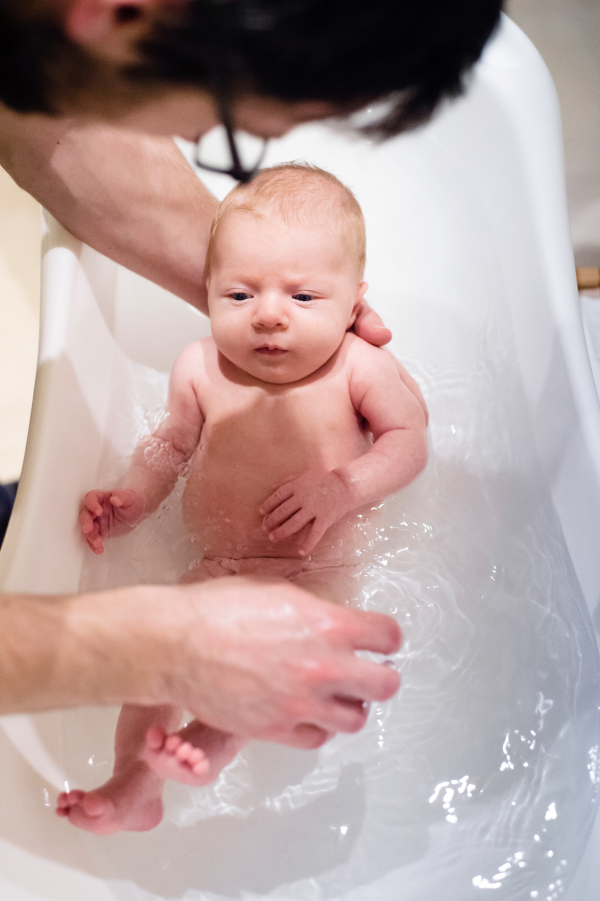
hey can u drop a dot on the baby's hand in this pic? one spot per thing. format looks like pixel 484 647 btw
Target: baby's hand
pixel 318 497
pixel 105 513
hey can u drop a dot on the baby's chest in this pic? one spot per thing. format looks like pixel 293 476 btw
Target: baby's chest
pixel 255 419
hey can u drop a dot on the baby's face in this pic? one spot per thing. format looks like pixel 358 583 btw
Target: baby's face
pixel 280 296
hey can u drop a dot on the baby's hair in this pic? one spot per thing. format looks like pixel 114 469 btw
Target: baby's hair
pixel 300 193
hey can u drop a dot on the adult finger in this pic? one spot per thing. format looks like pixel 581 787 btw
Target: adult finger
pixel 346 714
pixel 373 631
pixel 369 326
pixel 368 681
pixel 305 736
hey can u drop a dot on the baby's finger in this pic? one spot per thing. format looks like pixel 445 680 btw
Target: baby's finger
pixel 94 540
pixel 314 536
pixel 124 498
pixel 282 494
pixel 281 513
pixel 93 502
pixel 293 525
pixel 86 520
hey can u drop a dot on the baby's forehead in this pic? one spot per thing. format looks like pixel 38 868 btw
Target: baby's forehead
pixel 306 241
pixel 295 197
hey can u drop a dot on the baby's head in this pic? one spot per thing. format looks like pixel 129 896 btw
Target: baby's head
pixel 284 271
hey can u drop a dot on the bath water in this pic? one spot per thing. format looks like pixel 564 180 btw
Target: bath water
pixel 482 774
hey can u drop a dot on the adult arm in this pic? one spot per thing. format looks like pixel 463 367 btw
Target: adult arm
pixel 263 660
pixel 131 196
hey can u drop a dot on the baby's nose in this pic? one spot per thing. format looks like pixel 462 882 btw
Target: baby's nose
pixel 271 313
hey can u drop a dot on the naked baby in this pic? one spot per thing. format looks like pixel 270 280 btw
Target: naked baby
pixel 290 425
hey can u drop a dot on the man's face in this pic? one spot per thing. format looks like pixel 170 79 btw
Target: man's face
pixel 281 296
pixel 109 29
pixel 92 85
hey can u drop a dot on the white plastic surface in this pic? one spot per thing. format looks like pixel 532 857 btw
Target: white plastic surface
pixel 467 212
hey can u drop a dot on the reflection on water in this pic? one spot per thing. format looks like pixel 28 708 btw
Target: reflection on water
pixel 482 774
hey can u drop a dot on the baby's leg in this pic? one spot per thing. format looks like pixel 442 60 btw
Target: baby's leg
pixel 195 755
pixel 131 799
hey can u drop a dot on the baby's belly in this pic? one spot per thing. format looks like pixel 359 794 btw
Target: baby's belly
pixel 222 516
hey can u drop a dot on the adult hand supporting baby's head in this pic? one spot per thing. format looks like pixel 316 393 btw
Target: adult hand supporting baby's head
pixel 369 326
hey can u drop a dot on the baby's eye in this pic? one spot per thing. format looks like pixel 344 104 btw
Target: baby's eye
pixel 304 297
pixel 239 295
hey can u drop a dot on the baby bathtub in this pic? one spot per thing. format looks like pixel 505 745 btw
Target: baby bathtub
pixel 470 265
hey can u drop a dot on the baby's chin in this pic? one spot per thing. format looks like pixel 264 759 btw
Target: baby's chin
pixel 277 369
pixel 279 372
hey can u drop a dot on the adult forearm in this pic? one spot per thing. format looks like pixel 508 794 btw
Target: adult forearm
pixel 63 651
pixel 130 196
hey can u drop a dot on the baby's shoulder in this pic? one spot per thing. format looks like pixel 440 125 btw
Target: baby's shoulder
pixel 362 358
pixel 195 362
pixel 199 353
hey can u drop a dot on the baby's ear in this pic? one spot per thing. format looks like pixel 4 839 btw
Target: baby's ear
pixel 360 296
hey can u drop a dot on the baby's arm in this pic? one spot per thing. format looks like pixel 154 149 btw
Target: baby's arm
pixel 156 463
pixel 397 420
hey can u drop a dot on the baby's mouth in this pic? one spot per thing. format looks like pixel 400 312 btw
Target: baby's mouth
pixel 271 351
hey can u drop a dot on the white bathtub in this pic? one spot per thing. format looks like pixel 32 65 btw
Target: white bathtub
pixel 440 797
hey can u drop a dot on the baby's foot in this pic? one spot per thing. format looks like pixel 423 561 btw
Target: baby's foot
pixel 130 800
pixel 195 755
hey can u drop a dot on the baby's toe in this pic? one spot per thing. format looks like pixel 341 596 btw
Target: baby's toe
pixel 173 743
pixel 184 750
pixel 200 767
pixel 156 738
pixel 196 755
pixel 95 806
pixel 68 799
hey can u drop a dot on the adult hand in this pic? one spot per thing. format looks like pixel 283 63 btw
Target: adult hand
pixel 264 659
pixel 368 325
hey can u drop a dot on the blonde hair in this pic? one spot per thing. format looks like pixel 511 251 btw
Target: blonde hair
pixel 296 191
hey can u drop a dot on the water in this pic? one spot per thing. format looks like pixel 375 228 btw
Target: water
pixel 482 775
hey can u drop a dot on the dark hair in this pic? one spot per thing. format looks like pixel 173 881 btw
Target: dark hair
pixel 40 67
pixel 415 52
pixel 22 51
pixel 347 52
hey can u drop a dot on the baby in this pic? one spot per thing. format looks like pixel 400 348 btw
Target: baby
pixel 290 426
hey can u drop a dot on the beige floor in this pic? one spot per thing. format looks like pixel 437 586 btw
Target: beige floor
pixel 566 33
